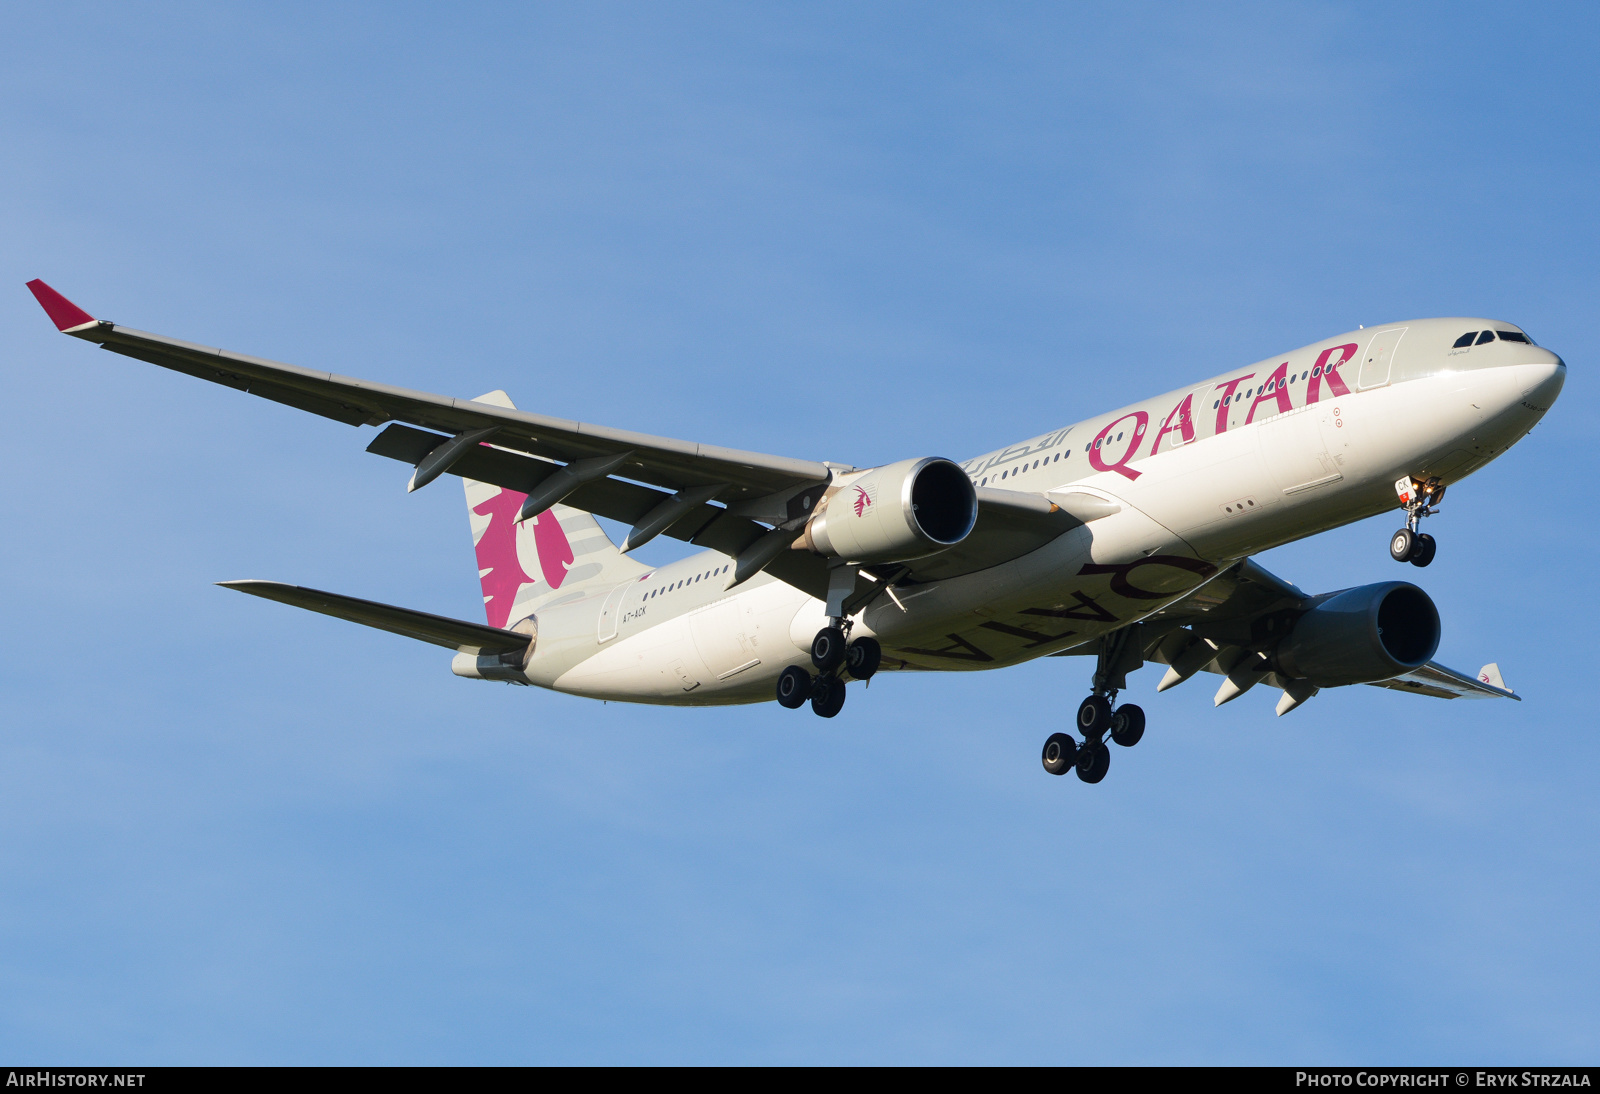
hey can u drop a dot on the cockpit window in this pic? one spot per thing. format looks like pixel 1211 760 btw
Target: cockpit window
pixel 1486 336
pixel 1513 336
pixel 1465 339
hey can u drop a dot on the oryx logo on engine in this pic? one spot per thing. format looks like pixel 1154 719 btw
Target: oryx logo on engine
pixel 863 500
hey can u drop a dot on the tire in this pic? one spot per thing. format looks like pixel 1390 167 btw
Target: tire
pixel 1402 545
pixel 1427 547
pixel 1127 725
pixel 863 657
pixel 1094 716
pixel 827 649
pixel 1093 763
pixel 794 687
pixel 829 697
pixel 1060 754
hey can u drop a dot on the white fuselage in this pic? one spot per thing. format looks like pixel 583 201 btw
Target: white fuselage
pixel 1204 475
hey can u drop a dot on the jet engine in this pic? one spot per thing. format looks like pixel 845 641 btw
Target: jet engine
pixel 894 513
pixel 1373 632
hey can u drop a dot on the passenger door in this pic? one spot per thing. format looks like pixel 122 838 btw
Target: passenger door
pixel 611 611
pixel 1379 356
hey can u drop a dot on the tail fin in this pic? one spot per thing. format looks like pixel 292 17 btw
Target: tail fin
pixel 524 566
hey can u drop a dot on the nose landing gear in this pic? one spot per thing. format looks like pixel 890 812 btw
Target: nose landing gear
pixel 1419 498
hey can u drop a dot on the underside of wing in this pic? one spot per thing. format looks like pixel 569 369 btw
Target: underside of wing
pixel 1446 683
pixel 1239 624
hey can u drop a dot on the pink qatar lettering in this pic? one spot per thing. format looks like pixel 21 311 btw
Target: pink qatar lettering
pixel 1326 370
pixel 1279 382
pixel 1184 413
pixel 1141 421
pixel 1227 390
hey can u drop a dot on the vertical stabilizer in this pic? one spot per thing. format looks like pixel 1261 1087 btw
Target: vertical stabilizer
pixel 560 552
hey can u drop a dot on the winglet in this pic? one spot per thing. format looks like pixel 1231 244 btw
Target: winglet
pixel 62 312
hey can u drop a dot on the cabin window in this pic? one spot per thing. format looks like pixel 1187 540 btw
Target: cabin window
pixel 1036 463
pixel 1513 336
pixel 1005 474
pixel 1486 336
pixel 1465 340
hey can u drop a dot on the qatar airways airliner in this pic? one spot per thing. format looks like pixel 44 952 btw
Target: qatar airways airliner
pixel 1123 538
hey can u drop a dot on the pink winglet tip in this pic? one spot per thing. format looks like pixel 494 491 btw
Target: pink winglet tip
pixel 62 312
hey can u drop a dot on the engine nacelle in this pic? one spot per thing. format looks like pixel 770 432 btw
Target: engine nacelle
pixel 895 513
pixel 1374 632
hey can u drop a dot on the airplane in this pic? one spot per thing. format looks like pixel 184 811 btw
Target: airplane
pixel 1125 537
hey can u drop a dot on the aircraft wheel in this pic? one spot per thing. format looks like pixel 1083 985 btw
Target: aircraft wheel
pixel 863 657
pixel 1060 754
pixel 794 687
pixel 1402 545
pixel 1093 763
pixel 828 698
pixel 1127 725
pixel 1427 547
pixel 827 649
pixel 1094 717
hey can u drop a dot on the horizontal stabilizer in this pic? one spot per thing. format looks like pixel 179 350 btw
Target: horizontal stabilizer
pixel 455 634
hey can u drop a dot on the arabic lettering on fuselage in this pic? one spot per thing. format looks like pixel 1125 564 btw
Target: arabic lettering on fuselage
pixel 1180 424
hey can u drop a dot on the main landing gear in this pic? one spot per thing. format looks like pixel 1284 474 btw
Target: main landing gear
pixel 1419 498
pixel 1098 719
pixel 830 654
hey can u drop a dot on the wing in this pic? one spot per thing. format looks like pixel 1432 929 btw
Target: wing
pixel 739 503
pixel 1226 625
pixel 1445 683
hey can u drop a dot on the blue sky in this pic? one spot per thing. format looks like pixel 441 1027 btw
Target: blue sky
pixel 233 832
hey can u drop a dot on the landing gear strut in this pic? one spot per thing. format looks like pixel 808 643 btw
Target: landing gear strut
pixel 1419 498
pixel 1098 717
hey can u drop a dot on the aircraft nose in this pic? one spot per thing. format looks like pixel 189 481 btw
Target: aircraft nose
pixel 1539 382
